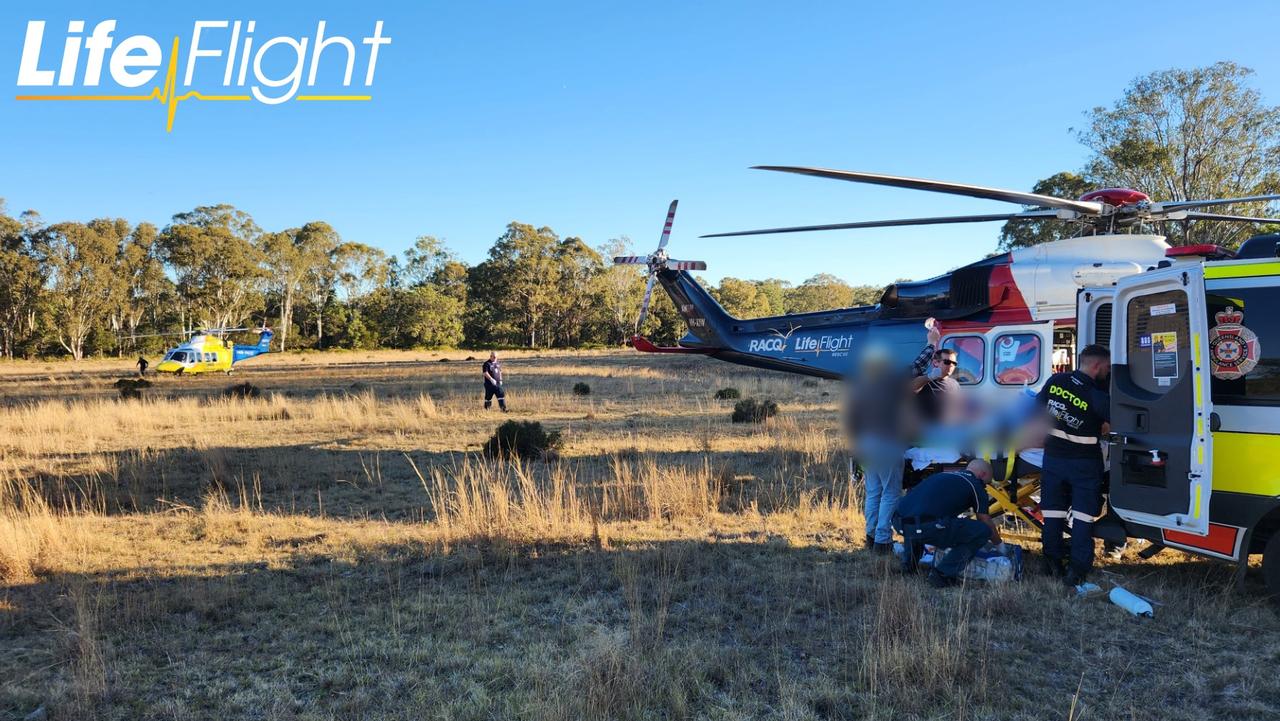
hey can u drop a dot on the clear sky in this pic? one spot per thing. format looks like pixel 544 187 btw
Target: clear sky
pixel 589 117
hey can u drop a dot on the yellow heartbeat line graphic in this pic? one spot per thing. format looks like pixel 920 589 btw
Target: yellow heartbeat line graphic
pixel 169 95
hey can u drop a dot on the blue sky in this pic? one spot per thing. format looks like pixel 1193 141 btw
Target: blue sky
pixel 590 117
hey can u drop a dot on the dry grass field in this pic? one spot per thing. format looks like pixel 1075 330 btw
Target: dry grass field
pixel 338 549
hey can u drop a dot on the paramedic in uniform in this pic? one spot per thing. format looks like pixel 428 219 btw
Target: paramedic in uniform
pixel 492 371
pixel 1071 478
pixel 929 514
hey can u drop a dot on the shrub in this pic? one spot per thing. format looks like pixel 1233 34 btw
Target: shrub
pixel 581 389
pixel 526 439
pixel 134 383
pixel 728 394
pixel 750 410
pixel 809 383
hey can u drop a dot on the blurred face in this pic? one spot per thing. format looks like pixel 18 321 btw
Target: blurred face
pixel 493 356
pixel 946 364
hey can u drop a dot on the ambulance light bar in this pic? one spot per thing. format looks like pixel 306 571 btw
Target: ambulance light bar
pixel 1206 250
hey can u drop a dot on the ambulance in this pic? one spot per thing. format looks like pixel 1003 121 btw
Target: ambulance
pixel 1194 450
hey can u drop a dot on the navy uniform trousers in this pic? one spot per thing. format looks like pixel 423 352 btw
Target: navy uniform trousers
pixel 494 389
pixel 963 536
pixel 1070 487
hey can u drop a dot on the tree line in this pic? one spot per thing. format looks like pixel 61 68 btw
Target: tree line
pixel 107 287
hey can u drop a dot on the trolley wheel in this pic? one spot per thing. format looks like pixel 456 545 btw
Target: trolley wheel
pixel 1271 566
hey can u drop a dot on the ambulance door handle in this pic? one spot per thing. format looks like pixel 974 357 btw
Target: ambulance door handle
pixel 1215 422
pixel 1140 422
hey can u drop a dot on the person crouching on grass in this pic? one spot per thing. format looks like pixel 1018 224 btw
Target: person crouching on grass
pixel 492 371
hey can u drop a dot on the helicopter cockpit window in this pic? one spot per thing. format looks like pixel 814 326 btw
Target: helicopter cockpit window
pixel 970 351
pixel 1017 359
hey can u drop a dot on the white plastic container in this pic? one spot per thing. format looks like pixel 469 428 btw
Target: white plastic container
pixel 1132 603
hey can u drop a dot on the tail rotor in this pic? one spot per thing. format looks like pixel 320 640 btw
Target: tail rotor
pixel 657 261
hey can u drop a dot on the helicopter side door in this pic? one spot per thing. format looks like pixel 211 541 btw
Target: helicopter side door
pixel 1161 448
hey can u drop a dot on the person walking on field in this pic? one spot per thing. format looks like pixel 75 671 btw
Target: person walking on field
pixel 142 366
pixel 492 371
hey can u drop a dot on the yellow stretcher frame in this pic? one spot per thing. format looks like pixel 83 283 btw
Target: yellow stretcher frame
pixel 1014 504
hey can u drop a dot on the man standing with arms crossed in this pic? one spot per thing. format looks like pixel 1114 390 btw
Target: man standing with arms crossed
pixel 492 371
pixel 1079 414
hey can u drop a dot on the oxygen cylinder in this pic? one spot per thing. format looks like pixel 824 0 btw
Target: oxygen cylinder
pixel 1132 603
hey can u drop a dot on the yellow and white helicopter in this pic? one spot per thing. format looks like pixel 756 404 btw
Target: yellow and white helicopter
pixel 207 351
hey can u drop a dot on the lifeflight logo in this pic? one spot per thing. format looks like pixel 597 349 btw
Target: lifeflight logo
pixel 135 61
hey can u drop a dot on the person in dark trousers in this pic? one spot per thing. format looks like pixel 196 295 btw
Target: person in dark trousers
pixel 142 366
pixel 1078 408
pixel 929 513
pixel 492 371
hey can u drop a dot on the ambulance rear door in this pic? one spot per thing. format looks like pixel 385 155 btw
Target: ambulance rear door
pixel 1161 452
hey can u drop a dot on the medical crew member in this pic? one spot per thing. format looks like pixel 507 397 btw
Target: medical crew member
pixel 492 371
pixel 1078 407
pixel 929 514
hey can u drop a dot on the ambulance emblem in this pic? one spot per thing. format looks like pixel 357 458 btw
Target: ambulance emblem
pixel 1233 349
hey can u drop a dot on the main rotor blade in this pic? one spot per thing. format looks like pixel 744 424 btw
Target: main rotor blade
pixel 666 229
pixel 1184 204
pixel 1193 215
pixel 1028 215
pixel 644 306
pixel 1086 207
pixel 630 260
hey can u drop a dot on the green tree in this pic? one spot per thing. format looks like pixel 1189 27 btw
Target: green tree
pixel 21 282
pixel 1188 135
pixel 619 290
pixel 83 280
pixel 575 319
pixel 433 319
pixel 775 291
pixel 216 264
pixel 318 244
pixel 146 286
pixel 513 293
pixel 741 298
pixel 361 270
pixel 1026 233
pixel 821 292
pixel 285 268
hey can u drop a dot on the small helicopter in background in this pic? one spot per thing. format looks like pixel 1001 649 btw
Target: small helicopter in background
pixel 1011 317
pixel 208 351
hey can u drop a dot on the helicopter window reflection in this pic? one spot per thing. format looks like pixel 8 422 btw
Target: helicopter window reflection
pixel 970 351
pixel 1017 359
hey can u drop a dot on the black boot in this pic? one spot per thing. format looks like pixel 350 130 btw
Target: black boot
pixel 1074 577
pixel 937 580
pixel 1053 567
